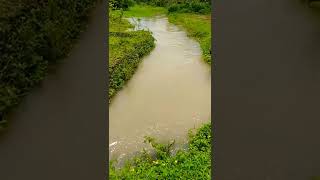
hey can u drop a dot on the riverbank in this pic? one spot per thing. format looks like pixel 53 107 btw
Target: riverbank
pixel 126 51
pixel 33 36
pixel 193 163
pixel 198 26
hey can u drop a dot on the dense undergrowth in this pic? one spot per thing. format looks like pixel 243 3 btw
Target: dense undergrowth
pixel 34 34
pixel 126 50
pixel 192 163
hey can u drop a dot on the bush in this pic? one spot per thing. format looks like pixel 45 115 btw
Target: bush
pixel 174 8
pixel 191 7
pixel 121 4
pixel 34 34
pixel 199 7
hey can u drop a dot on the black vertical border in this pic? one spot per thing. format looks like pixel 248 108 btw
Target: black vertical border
pixel 213 83
pixel 107 83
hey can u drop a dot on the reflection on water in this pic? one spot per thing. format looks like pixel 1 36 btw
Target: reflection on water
pixel 169 93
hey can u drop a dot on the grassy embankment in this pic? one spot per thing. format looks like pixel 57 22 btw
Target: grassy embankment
pixel 126 50
pixel 33 35
pixel 194 162
pixel 198 26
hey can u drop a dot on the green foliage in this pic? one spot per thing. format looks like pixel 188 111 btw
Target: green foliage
pixel 126 51
pixel 193 163
pixel 198 27
pixel 161 3
pixel 121 4
pixel 117 23
pixel 34 34
pixel 144 11
pixel 193 6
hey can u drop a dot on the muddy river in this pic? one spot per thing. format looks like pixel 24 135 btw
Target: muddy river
pixel 169 93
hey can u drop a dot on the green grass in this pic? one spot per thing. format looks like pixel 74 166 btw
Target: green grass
pixel 197 27
pixel 193 163
pixel 117 23
pixel 144 11
pixel 126 51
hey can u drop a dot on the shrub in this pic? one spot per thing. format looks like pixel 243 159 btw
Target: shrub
pixel 174 8
pixel 190 7
pixel 121 4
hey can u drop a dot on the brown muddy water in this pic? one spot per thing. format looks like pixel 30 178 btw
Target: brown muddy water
pixel 169 93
